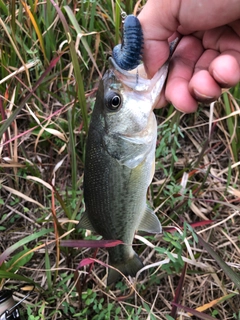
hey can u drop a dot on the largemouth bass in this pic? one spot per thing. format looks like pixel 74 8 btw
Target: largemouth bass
pixel 120 163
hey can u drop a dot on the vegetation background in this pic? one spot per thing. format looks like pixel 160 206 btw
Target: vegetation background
pixel 52 56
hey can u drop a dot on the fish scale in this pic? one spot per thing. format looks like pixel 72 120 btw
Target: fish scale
pixel 119 200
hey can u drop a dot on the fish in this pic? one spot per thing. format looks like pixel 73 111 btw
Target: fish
pixel 120 163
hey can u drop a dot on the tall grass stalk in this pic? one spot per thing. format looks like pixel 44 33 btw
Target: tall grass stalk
pixel 232 124
pixel 117 19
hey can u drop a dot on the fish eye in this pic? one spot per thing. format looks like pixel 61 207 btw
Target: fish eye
pixel 113 101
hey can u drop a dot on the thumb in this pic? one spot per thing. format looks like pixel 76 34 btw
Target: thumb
pixel 155 35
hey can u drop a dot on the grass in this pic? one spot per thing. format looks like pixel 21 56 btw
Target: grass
pixel 51 61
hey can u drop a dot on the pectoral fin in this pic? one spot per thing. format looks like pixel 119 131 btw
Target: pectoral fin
pixel 85 223
pixel 150 222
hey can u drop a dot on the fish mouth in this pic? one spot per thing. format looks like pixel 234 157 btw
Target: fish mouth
pixel 138 71
pixel 137 80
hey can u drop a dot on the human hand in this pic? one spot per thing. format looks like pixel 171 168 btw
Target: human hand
pixel 207 57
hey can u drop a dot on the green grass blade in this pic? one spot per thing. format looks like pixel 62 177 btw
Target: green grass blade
pixel 3 7
pixel 14 276
pixel 229 272
pixel 77 72
pixel 13 116
pixel 13 20
pixel 18 260
pixel 22 242
pixel 37 29
pixel 117 22
pixel 196 313
pixel 83 39
pixel 48 269
pixel 93 16
pixel 174 125
pixel 230 123
pixel 73 154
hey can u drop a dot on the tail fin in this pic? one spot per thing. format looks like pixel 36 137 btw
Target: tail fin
pixel 128 268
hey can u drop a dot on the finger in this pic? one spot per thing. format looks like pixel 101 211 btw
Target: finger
pixel 222 39
pixel 204 88
pixel 202 85
pixel 225 69
pixel 181 70
pixel 212 72
pixel 204 14
pixel 155 53
pixel 205 60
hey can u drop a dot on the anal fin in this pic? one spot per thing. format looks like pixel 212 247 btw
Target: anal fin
pixel 150 222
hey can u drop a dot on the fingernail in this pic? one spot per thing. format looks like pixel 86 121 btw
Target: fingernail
pixel 202 97
pixel 219 79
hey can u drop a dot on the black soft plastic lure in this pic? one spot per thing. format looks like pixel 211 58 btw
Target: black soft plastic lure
pixel 129 54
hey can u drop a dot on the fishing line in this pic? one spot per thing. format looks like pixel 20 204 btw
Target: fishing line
pixel 123 13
